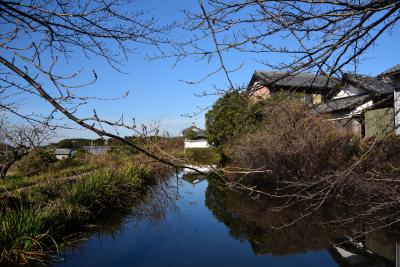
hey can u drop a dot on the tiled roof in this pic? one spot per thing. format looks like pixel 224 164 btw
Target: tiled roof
pixel 302 80
pixel 342 103
pixel 195 129
pixel 63 151
pixel 392 70
pixel 372 84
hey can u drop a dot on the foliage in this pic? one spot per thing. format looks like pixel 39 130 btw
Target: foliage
pixel 191 134
pixel 27 224
pixel 294 143
pixel 22 232
pixel 230 116
pixel 36 161
pixel 78 143
pixel 104 188
pixel 16 140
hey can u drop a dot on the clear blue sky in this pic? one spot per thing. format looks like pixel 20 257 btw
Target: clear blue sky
pixel 155 90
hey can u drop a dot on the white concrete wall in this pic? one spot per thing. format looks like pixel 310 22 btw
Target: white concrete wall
pixel 349 91
pixel 397 112
pixel 361 108
pixel 202 143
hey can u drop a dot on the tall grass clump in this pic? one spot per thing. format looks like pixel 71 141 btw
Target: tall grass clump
pixel 24 233
pixel 107 188
pixel 27 220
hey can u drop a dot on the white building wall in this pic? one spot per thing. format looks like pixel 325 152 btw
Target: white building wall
pixel 202 143
pixel 361 108
pixel 349 91
pixel 397 112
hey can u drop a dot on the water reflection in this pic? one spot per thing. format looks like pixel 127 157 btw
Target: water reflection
pixel 193 178
pixel 191 222
pixel 274 233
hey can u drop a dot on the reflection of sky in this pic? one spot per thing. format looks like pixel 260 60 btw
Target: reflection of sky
pixel 192 237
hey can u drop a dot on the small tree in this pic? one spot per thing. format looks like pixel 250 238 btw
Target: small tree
pixel 190 134
pixel 231 115
pixel 37 160
pixel 16 141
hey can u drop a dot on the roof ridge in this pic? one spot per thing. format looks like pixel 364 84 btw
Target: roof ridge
pixel 389 71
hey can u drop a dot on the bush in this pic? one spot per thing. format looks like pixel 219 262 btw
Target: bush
pixel 294 143
pixel 190 134
pixel 231 116
pixel 36 161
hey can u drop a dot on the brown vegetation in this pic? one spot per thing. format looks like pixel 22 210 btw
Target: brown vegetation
pixel 313 161
pixel 295 144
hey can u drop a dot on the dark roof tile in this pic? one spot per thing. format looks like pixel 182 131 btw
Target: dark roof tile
pixel 372 84
pixel 199 131
pixel 302 80
pixel 63 151
pixel 342 103
pixel 392 70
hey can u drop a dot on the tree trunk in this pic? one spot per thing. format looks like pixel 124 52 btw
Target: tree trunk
pixel 3 172
pixel 4 168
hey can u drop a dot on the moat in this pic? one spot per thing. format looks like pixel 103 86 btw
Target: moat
pixel 198 224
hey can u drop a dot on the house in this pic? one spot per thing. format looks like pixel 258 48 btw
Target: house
pixel 394 75
pixel 63 153
pixel 315 88
pixel 96 150
pixel 365 105
pixel 195 137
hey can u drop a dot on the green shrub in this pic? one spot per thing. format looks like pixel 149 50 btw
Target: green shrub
pixel 36 161
pixel 190 134
pixel 231 116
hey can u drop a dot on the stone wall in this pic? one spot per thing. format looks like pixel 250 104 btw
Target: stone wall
pixel 379 122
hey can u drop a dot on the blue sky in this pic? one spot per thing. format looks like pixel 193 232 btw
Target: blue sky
pixel 156 94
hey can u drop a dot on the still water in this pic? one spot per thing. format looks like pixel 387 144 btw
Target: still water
pixel 201 225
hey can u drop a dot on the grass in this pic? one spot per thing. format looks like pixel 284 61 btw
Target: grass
pixel 13 182
pixel 23 231
pixel 28 220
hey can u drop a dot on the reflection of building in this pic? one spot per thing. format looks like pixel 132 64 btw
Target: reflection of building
pixel 193 178
pixel 383 243
pixel 348 256
pixel 254 221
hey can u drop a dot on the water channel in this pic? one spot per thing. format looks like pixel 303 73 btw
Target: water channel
pixel 200 225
